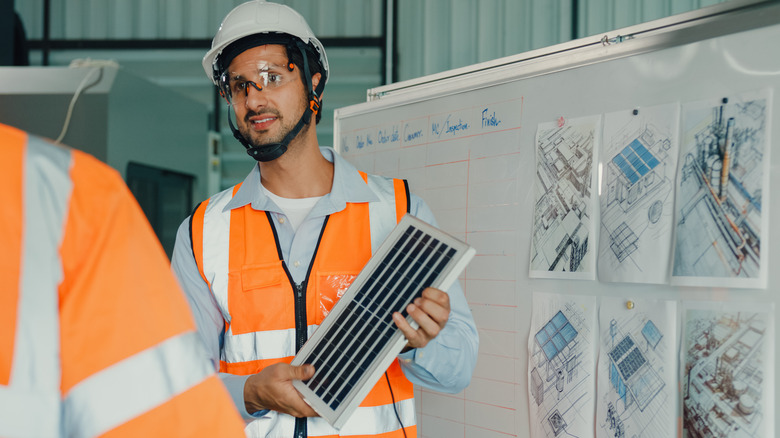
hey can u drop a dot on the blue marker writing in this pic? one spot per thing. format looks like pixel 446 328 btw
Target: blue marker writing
pixel 489 119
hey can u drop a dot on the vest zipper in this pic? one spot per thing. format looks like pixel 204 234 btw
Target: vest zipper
pixel 300 315
pixel 301 329
pixel 299 302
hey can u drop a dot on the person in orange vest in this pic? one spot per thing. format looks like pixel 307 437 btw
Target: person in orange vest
pixel 96 338
pixel 262 263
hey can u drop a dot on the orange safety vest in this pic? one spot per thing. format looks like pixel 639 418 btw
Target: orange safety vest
pixel 264 312
pixel 95 337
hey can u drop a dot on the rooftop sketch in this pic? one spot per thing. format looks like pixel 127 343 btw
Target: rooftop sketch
pixel 562 228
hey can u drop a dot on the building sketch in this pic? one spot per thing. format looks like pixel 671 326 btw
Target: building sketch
pixel 637 194
pixel 726 367
pixel 721 183
pixel 563 224
pixel 636 378
pixel 561 363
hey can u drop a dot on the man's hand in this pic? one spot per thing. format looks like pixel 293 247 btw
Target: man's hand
pixel 430 312
pixel 272 389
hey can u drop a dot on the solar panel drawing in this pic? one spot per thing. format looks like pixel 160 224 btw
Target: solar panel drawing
pixel 560 362
pixel 358 339
pixel 635 381
pixel 636 194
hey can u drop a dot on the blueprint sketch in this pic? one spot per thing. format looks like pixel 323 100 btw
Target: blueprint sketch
pixel 562 244
pixel 637 373
pixel 636 194
pixel 727 370
pixel 561 366
pixel 722 187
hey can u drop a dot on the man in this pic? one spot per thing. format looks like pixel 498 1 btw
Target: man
pixel 96 339
pixel 263 262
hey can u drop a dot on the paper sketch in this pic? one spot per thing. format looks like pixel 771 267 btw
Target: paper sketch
pixel 561 363
pixel 637 173
pixel 723 182
pixel 728 369
pixel 562 244
pixel 637 379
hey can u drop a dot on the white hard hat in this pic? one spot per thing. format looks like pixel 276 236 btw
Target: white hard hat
pixel 259 17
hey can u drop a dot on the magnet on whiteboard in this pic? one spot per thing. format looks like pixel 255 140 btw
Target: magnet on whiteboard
pixel 629 304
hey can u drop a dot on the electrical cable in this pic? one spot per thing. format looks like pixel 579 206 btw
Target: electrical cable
pixel 395 408
pixel 82 86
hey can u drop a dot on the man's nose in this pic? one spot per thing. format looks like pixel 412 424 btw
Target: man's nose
pixel 254 96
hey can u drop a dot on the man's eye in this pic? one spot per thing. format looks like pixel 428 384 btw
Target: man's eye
pixel 239 86
pixel 274 78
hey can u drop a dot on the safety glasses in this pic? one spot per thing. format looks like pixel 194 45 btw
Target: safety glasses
pixel 235 83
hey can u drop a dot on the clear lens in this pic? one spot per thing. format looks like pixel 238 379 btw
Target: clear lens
pixel 236 83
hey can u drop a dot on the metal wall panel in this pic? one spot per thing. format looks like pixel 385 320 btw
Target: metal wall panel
pixel 437 35
pixel 186 19
pixel 598 16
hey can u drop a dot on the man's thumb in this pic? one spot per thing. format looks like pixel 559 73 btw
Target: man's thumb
pixel 303 372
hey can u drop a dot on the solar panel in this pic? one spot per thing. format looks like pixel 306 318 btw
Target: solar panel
pixel 358 339
pixel 633 361
pixel 555 335
pixel 651 333
pixel 635 161
pixel 622 348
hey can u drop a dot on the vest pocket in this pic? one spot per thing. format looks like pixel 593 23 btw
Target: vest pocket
pixel 331 286
pixel 260 299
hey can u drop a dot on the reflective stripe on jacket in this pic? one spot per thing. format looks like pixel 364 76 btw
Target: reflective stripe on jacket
pixel 268 317
pixel 95 337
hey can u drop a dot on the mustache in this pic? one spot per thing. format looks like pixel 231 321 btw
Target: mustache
pixel 271 111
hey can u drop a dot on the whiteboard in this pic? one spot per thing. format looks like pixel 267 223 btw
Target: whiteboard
pixel 465 140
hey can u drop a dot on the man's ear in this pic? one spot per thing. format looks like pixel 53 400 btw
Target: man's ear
pixel 315 80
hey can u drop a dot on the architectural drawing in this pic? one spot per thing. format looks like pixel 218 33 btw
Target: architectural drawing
pixel 636 375
pixel 636 196
pixel 560 360
pixel 722 182
pixel 727 374
pixel 563 224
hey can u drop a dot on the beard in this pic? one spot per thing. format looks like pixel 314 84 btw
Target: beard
pixel 260 139
pixel 254 138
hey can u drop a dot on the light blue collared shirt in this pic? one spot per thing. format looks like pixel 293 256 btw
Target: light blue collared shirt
pixel 445 364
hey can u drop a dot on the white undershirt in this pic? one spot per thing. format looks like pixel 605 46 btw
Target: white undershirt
pixel 296 210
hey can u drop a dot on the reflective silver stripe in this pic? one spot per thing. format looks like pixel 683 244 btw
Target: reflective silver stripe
pixel 216 247
pixel 255 346
pixel 382 213
pixel 379 419
pixel 135 385
pixel 34 386
pixel 373 420
pixel 27 413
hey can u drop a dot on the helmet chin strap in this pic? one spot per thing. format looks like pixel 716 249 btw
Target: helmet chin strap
pixel 272 151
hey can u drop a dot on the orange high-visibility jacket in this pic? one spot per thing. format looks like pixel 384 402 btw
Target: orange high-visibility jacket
pixel 267 318
pixel 96 338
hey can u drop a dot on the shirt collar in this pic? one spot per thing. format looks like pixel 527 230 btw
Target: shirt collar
pixel 348 186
